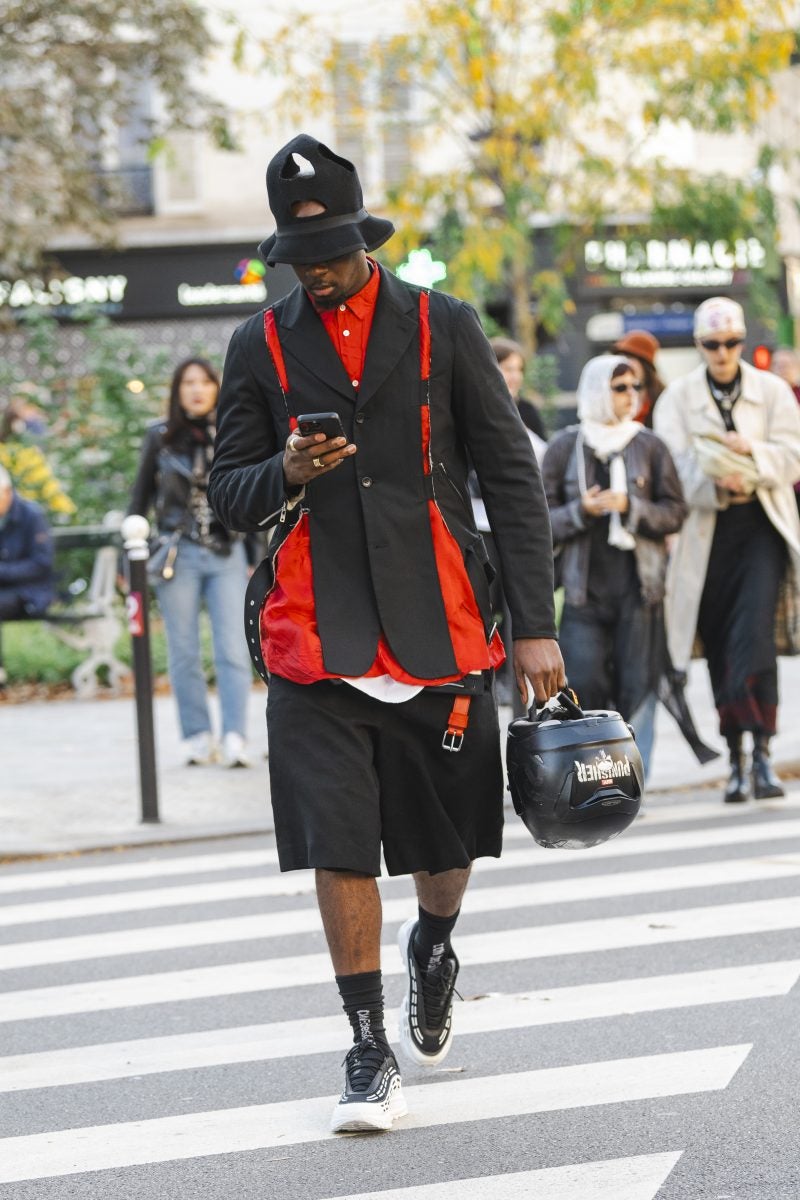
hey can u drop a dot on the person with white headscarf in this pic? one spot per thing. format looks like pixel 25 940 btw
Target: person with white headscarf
pixel 735 435
pixel 614 496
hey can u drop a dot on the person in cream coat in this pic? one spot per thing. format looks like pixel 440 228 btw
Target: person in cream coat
pixel 734 432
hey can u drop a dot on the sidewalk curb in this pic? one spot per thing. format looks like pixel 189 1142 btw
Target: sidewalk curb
pixel 153 836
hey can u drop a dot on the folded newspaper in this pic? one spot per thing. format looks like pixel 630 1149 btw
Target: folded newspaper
pixel 718 460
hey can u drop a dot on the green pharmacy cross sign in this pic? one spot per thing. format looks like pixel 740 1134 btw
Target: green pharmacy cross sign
pixel 421 269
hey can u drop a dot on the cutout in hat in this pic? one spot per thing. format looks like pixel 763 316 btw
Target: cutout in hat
pixel 305 169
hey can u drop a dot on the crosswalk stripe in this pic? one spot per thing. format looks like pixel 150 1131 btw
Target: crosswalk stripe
pixel 155 868
pixel 318 1035
pixel 306 920
pixel 636 1178
pixel 12 880
pixel 227 1131
pixel 707 810
pixel 577 937
pixel 632 845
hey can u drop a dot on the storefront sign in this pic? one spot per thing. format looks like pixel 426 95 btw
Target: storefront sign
pixel 153 283
pixel 675 263
pixel 56 293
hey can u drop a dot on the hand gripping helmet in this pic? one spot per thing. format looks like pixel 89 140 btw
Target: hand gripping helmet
pixel 576 778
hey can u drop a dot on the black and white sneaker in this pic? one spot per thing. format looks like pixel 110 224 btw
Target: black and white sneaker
pixel 372 1096
pixel 426 1014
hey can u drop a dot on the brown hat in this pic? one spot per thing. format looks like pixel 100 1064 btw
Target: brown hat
pixel 639 344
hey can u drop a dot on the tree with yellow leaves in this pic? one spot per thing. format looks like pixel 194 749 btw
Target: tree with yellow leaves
pixel 540 112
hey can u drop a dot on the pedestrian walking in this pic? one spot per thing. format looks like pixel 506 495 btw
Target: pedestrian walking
pixel 614 497
pixel 511 360
pixel 735 434
pixel 640 348
pixel 372 610
pixel 195 562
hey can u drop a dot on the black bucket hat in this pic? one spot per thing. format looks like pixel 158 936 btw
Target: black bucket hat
pixel 305 169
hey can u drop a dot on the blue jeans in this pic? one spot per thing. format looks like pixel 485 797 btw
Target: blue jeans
pixel 644 724
pixel 219 581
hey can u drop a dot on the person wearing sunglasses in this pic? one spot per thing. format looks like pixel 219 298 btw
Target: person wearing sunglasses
pixel 735 434
pixel 640 349
pixel 614 496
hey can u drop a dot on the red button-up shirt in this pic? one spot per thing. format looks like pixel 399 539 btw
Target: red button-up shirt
pixel 349 325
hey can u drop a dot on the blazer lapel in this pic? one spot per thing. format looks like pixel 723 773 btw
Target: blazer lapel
pixel 394 326
pixel 304 336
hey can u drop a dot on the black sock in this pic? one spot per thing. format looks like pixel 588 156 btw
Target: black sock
pixel 432 939
pixel 362 1000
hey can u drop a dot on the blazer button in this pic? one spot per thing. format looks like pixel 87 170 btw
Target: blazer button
pixel 360 418
pixel 366 481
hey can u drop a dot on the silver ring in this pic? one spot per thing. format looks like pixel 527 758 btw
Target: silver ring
pixel 318 462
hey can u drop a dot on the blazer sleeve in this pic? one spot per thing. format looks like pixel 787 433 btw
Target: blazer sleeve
pixel 246 486
pixel 510 482
pixel 671 422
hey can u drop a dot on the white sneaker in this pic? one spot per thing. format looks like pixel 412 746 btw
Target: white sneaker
pixel 198 750
pixel 234 751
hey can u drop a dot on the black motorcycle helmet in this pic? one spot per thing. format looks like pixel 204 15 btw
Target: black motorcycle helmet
pixel 576 778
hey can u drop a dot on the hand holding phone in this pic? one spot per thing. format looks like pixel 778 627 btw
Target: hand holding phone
pixel 329 423
pixel 310 451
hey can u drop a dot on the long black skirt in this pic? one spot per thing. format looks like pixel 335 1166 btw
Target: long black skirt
pixel 737 618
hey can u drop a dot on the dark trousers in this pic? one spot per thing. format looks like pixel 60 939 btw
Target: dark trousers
pixel 612 652
pixel 736 621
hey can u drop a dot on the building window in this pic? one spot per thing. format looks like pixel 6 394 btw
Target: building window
pixel 372 116
pixel 123 173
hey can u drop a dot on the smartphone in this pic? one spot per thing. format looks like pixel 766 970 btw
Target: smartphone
pixel 329 423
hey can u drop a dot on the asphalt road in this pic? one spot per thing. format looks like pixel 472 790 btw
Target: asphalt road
pixel 169 1026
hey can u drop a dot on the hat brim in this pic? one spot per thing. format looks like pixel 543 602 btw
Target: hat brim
pixel 303 246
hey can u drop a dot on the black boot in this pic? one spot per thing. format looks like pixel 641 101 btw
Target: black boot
pixel 736 788
pixel 765 782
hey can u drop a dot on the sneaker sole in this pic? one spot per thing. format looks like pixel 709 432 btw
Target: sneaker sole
pixel 370 1117
pixel 410 1050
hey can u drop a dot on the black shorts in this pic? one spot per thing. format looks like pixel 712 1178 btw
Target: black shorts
pixel 349 774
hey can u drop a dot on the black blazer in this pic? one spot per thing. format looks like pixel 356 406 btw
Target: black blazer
pixel 372 554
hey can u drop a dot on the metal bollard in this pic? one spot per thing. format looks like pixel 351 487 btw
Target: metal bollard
pixel 135 531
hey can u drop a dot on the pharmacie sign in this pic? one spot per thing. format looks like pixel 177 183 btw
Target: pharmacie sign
pixel 671 263
pixel 151 283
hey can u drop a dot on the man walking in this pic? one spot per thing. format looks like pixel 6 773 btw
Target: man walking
pixel 371 614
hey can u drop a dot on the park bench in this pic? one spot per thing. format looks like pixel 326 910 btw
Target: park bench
pixel 86 618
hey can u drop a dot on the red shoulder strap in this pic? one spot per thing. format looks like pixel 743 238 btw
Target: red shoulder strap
pixel 424 336
pixel 276 354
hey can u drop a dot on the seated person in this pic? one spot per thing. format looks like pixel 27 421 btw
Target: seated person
pixel 26 555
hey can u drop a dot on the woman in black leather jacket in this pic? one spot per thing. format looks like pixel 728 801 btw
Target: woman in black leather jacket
pixel 614 496
pixel 195 561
